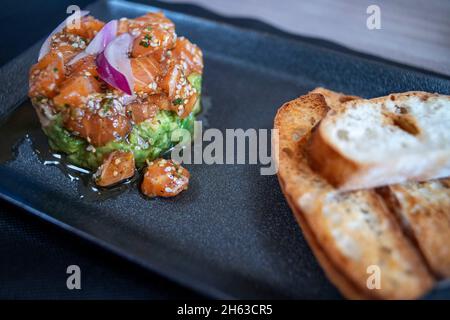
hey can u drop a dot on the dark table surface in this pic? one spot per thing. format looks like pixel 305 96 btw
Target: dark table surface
pixel 34 254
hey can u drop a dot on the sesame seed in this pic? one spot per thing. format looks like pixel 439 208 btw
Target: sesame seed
pixel 91 148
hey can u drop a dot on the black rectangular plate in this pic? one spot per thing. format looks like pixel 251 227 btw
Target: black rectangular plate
pixel 231 235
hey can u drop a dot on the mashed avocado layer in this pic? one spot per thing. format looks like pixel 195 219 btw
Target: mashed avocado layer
pixel 147 140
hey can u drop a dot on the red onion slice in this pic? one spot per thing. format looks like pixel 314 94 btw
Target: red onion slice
pixel 45 48
pixel 113 64
pixel 100 41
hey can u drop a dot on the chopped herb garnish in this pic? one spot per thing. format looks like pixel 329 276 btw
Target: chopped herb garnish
pixel 146 41
pixel 177 101
pixel 55 70
pixel 107 104
pixel 148 28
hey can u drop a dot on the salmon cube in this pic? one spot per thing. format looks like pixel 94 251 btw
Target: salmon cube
pixel 74 91
pixel 117 166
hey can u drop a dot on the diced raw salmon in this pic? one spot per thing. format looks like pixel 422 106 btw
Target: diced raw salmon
pixel 67 51
pixel 173 80
pixel 164 178
pixel 153 40
pixel 116 167
pixel 88 27
pixel 96 129
pixel 84 67
pixel 186 106
pixel 142 110
pixel 74 91
pixel 145 71
pixel 160 100
pixel 160 65
pixel 180 92
pixel 149 19
pixel 47 75
pixel 156 18
pixel 188 52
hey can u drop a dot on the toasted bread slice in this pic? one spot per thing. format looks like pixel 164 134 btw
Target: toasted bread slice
pixel 334 99
pixel 387 140
pixel 423 208
pixel 348 232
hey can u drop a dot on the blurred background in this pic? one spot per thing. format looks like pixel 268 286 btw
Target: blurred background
pixel 413 32
pixel 34 255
